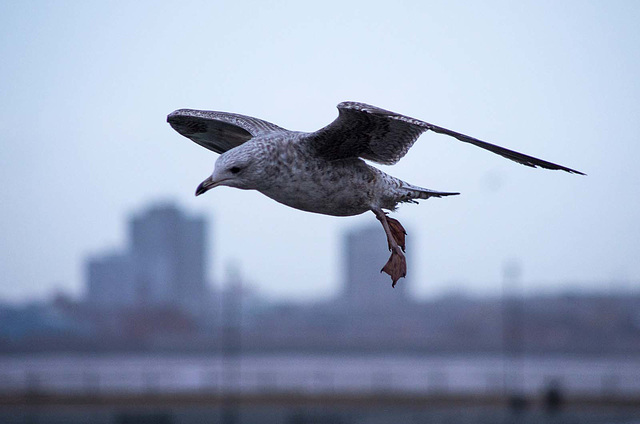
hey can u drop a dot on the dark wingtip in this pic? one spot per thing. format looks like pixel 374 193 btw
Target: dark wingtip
pixel 561 168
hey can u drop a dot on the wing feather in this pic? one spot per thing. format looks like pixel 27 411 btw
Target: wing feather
pixel 383 136
pixel 509 154
pixel 218 131
pixel 368 132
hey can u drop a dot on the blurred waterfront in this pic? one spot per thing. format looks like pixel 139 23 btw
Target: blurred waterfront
pixel 316 389
pixel 595 379
pixel 371 412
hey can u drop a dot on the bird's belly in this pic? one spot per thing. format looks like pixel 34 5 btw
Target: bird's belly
pixel 336 200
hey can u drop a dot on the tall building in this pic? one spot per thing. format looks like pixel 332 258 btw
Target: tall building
pixel 365 252
pixel 110 282
pixel 169 252
pixel 164 265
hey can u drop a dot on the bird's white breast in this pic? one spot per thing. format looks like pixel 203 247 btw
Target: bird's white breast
pixel 312 184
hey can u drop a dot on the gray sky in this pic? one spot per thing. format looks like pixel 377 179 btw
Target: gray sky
pixel 86 87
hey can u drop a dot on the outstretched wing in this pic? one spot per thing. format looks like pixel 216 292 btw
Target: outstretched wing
pixel 368 132
pixel 218 131
pixel 385 137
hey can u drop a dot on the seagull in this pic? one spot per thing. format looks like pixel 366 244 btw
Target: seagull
pixel 324 171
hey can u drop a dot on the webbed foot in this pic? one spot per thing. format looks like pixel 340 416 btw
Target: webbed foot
pixel 396 266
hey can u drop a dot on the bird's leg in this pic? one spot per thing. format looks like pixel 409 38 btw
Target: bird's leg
pixel 396 266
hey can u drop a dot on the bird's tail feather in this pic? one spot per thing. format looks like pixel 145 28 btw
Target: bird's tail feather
pixel 415 192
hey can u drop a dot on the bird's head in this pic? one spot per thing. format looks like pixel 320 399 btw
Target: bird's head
pixel 234 168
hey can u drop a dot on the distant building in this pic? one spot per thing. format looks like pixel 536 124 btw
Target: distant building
pixel 110 281
pixel 365 253
pixel 165 264
pixel 169 250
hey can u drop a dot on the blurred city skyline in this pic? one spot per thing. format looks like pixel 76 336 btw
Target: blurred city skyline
pixel 112 276
pixel 177 244
pixel 83 138
pixel 166 260
pixel 154 295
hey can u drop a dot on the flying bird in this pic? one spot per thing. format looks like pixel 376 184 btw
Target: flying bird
pixel 324 171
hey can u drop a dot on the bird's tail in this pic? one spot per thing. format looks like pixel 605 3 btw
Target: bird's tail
pixel 415 192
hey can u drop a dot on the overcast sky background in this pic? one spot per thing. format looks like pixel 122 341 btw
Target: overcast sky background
pixel 85 88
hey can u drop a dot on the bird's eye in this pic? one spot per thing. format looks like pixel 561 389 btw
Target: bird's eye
pixel 234 169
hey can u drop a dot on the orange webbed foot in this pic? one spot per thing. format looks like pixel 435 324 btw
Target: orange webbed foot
pixel 396 266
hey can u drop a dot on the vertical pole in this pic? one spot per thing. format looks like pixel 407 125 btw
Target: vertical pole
pixel 513 328
pixel 231 346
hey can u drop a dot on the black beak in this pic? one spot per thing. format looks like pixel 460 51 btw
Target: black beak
pixel 205 186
